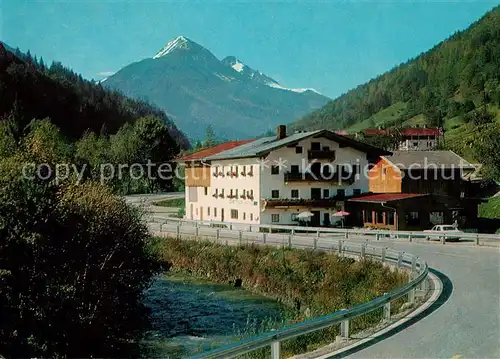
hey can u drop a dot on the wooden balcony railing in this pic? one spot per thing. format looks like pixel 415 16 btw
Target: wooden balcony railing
pixel 339 177
pixel 300 202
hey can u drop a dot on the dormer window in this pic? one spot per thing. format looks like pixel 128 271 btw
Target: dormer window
pixel 298 149
pixel 315 146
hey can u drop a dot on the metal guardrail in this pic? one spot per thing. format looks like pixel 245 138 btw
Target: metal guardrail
pixel 418 275
pixel 378 234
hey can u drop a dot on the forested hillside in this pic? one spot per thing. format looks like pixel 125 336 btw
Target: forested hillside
pixel 30 89
pixel 455 85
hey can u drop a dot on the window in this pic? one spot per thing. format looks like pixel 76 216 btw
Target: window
pixel 390 218
pixel 206 191
pixel 236 171
pixel 368 216
pixel 326 148
pixel 275 170
pixel 384 171
pixel 251 216
pixel 298 149
pixel 275 193
pixel 326 193
pixel 295 193
pixel 275 218
pixel 380 217
pixel 315 146
pixel 215 211
pixel 231 193
pixel 294 217
pixel 294 169
pixel 236 191
pixel 356 192
pixel 244 172
pixel 341 193
pixel 326 219
pixel 234 214
pixel 244 216
pixel 222 192
pixel 208 211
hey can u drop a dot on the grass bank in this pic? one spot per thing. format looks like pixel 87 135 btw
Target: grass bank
pixel 174 202
pixel 311 283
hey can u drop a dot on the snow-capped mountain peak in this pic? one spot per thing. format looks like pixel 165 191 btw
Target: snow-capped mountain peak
pixel 299 90
pixel 246 71
pixel 179 43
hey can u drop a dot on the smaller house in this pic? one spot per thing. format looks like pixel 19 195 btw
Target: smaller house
pixel 420 139
pixel 409 139
pixel 414 190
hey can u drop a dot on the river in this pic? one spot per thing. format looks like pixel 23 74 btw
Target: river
pixel 190 315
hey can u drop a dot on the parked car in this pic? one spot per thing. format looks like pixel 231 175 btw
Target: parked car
pixel 446 231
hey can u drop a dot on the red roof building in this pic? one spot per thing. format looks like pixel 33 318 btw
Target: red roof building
pixel 197 156
pixel 420 131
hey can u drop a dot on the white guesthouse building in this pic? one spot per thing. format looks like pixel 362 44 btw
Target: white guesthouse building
pixel 271 180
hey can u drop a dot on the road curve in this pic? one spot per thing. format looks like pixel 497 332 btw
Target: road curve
pixel 467 325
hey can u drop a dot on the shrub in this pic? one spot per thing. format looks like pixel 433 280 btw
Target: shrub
pixel 73 266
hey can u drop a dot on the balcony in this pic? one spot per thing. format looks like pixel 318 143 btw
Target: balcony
pixel 321 155
pixel 338 177
pixel 300 202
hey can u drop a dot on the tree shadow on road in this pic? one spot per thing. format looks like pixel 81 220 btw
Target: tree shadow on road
pixel 445 295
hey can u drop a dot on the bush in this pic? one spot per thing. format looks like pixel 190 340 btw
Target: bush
pixel 73 266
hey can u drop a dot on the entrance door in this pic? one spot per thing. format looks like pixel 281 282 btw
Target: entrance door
pixel 326 219
pixel 315 219
pixel 222 214
pixel 315 193
pixel 201 213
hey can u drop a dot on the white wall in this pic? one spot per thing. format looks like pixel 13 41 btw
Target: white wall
pixel 419 144
pixel 263 182
pixel 214 208
pixel 343 156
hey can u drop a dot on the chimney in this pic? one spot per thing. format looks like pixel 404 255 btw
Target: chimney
pixel 280 132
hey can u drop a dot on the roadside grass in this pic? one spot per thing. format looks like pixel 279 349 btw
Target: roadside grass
pixel 309 283
pixel 174 202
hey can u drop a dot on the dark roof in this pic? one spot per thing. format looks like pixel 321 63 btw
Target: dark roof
pixel 428 159
pixel 386 197
pixel 263 146
pixel 213 150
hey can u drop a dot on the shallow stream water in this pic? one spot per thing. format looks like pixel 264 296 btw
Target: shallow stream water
pixel 190 315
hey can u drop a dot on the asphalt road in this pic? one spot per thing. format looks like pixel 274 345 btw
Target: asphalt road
pixel 467 325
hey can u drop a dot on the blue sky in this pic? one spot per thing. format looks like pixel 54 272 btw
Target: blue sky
pixel 328 45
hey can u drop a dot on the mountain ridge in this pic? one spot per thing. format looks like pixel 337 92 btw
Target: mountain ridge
pixel 197 90
pixel 445 76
